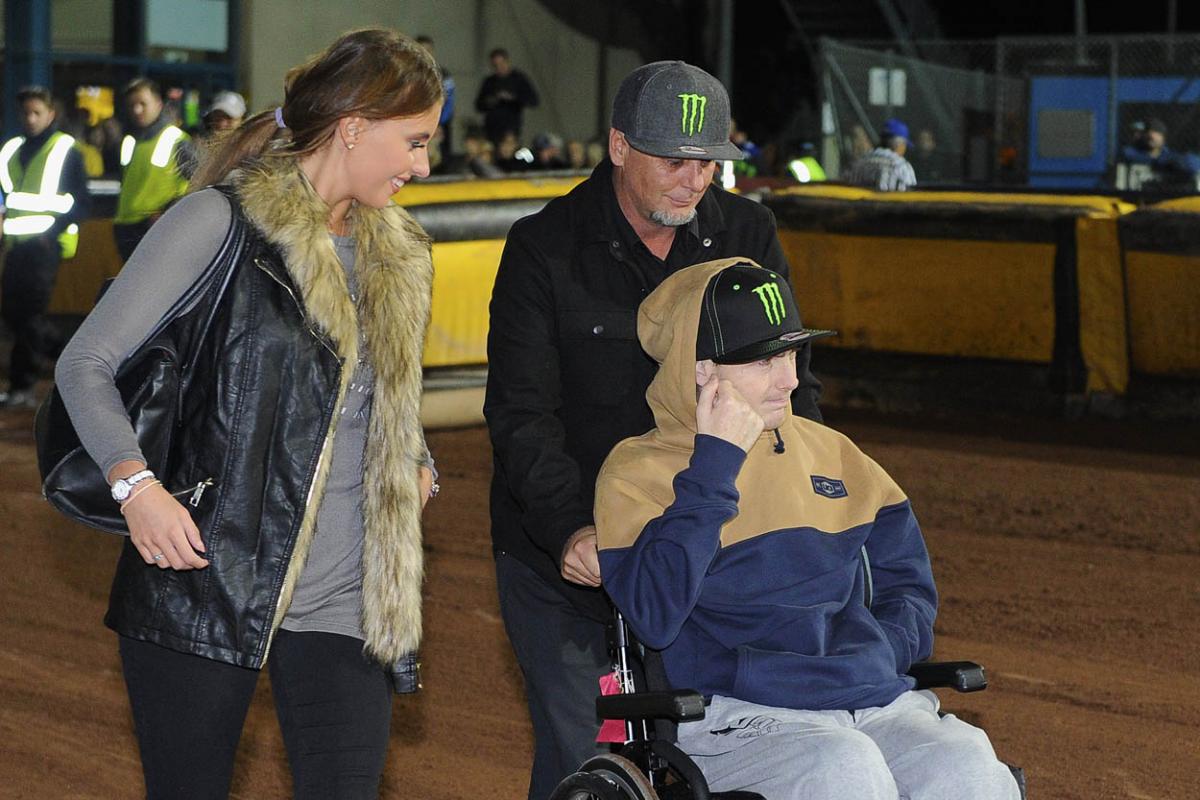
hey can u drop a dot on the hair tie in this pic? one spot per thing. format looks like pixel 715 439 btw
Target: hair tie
pixel 279 117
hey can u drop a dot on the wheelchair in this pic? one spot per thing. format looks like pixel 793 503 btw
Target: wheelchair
pixel 649 766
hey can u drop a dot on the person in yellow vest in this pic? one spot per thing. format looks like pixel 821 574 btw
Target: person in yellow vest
pixel 76 124
pixel 154 157
pixel 45 189
pixel 805 168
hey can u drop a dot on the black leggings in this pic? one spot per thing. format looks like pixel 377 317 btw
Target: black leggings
pixel 334 708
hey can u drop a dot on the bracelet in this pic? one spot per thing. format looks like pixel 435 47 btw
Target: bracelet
pixel 138 491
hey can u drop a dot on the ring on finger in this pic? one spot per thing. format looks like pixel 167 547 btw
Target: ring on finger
pixel 159 556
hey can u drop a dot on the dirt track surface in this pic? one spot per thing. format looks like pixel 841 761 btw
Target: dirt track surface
pixel 1072 572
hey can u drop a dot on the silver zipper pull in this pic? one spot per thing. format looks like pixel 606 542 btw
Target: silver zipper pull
pixel 198 492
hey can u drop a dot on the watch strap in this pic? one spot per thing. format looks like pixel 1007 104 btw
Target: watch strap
pixel 123 486
pixel 138 477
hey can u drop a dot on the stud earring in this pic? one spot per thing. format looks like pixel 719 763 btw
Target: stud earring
pixel 349 145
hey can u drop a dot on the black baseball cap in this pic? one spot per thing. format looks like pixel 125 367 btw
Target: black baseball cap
pixel 748 313
pixel 674 110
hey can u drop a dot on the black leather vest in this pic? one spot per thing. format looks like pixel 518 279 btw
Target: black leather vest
pixel 255 415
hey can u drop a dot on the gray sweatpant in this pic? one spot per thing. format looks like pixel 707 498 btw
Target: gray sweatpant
pixel 903 750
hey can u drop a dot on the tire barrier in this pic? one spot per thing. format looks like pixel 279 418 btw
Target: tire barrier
pixel 1161 247
pixel 1088 288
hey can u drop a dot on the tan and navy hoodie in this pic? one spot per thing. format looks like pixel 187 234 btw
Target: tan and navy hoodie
pixel 745 568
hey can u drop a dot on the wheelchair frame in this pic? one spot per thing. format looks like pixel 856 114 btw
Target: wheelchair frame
pixel 649 766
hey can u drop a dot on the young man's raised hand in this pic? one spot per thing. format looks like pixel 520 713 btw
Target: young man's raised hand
pixel 721 411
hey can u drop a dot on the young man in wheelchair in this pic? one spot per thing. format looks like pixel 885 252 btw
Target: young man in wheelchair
pixel 730 538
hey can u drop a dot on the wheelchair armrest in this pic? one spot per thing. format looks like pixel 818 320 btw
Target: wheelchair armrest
pixel 962 676
pixel 680 706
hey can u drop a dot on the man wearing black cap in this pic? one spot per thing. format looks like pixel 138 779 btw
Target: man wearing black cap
pixel 567 378
pixel 731 538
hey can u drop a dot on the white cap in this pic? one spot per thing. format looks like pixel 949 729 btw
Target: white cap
pixel 229 103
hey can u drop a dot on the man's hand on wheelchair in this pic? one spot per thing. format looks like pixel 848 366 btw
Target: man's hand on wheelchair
pixel 580 561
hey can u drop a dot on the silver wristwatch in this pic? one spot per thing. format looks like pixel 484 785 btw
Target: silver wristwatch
pixel 122 487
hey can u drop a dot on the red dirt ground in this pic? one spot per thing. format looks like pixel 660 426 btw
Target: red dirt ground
pixel 1071 571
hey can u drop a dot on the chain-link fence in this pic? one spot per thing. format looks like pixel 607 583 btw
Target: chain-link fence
pixel 1061 112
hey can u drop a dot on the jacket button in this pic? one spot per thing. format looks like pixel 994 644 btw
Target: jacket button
pixel 707 242
pixel 599 329
pixel 616 245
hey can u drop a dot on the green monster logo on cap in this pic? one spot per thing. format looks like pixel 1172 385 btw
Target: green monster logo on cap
pixel 693 113
pixel 772 302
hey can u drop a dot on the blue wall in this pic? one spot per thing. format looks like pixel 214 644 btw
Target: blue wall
pixel 1092 94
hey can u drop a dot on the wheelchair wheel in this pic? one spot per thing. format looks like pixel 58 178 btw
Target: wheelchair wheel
pixel 606 777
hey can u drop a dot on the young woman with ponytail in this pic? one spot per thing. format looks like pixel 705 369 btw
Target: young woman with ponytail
pixel 297 546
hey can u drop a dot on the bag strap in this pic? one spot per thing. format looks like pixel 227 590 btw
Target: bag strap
pixel 222 267
pixel 219 269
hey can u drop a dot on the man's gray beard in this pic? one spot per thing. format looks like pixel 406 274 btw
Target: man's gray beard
pixel 669 220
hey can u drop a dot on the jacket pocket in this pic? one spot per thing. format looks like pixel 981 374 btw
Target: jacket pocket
pixel 597 355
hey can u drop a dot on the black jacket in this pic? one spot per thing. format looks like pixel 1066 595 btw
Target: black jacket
pixel 567 377
pixel 257 432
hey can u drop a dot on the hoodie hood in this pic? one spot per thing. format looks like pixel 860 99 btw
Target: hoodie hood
pixel 668 324
pixel 636 481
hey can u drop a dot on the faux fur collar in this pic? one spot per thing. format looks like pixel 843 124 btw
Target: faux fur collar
pixel 394 273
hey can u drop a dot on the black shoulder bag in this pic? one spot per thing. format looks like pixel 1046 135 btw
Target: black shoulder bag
pixel 152 382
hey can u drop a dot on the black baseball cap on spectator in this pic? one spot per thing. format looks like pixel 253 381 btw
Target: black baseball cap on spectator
pixel 748 313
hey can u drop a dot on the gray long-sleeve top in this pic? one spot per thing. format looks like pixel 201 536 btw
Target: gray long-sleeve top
pixel 178 248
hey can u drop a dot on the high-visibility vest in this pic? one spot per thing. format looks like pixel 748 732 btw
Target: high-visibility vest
pixel 150 177
pixel 806 170
pixel 32 193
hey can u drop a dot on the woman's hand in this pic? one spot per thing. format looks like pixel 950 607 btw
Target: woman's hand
pixel 163 531
pixel 425 479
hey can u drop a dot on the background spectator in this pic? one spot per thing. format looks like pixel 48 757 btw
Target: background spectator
pixel 511 156
pixel 548 151
pixel 148 183
pixel 503 97
pixel 749 166
pixel 224 113
pixel 449 90
pixel 47 200
pixel 1149 148
pixel 885 169
pixel 576 155
pixel 76 125
pixel 927 160
pixel 596 151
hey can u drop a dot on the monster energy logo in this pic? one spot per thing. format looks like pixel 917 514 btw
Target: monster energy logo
pixel 772 302
pixel 693 113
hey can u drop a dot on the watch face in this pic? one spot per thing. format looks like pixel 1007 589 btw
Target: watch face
pixel 120 489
